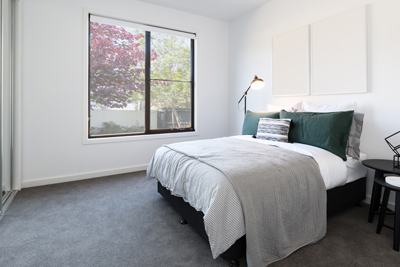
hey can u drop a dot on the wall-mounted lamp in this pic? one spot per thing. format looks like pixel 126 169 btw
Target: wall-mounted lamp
pixel 256 84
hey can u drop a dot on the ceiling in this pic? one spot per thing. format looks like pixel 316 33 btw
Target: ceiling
pixel 225 10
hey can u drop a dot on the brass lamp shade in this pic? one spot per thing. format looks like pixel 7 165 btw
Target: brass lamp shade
pixel 257 83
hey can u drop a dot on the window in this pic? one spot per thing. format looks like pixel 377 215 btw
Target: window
pixel 141 79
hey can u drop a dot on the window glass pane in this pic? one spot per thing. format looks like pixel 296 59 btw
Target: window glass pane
pixel 117 63
pixel 170 59
pixel 170 105
pixel 170 93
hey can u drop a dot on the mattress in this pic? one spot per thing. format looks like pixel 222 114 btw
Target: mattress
pixel 208 190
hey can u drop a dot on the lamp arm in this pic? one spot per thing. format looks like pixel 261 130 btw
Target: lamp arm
pixel 245 93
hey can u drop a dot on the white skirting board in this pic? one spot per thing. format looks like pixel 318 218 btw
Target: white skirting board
pixel 81 176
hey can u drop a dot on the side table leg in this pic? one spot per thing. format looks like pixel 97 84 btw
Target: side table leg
pixel 376 197
pixel 371 205
pixel 397 223
pixel 383 210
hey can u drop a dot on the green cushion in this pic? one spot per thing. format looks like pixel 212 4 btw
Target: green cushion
pixel 250 123
pixel 329 131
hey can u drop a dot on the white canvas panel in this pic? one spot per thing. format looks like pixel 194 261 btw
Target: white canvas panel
pixel 290 63
pixel 339 53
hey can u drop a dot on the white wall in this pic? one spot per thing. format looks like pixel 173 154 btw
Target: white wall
pixel 250 53
pixel 52 78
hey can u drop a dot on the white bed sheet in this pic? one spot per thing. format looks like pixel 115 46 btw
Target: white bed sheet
pixel 209 191
pixel 355 169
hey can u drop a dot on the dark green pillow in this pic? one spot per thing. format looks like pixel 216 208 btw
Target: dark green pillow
pixel 251 119
pixel 329 131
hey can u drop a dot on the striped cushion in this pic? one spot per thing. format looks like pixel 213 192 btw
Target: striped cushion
pixel 273 129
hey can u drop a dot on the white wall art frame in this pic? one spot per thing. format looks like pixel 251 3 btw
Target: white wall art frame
pixel 339 54
pixel 290 63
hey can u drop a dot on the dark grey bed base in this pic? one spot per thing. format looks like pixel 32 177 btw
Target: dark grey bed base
pixel 338 198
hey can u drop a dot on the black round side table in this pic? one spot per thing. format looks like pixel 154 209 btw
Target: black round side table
pixel 382 167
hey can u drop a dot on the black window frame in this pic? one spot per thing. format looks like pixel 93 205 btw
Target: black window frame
pixel 147 130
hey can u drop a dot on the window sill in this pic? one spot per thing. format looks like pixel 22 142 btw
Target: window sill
pixel 87 141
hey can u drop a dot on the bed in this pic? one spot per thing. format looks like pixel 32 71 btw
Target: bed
pixel 211 204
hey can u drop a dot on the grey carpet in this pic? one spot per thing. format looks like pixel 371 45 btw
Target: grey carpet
pixel 122 221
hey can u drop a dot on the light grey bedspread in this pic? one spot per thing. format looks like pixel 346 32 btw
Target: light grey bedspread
pixel 282 193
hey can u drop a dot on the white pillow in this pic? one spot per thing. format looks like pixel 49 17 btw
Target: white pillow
pixel 295 108
pixel 329 108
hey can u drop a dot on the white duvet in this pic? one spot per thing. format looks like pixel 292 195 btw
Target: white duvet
pixel 209 191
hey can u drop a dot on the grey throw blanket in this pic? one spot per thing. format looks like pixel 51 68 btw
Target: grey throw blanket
pixel 282 193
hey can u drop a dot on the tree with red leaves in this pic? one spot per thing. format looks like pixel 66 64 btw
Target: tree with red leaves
pixel 117 59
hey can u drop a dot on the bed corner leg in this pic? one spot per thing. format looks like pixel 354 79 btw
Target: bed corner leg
pixel 234 263
pixel 183 221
